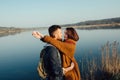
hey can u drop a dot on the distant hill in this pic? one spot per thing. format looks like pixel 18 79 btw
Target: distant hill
pixel 111 23
pixel 96 24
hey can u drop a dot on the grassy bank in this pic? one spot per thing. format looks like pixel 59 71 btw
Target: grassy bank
pixel 106 66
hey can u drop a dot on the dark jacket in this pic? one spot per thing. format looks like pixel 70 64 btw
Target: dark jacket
pixel 52 63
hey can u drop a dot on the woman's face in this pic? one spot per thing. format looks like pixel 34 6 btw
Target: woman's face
pixel 65 35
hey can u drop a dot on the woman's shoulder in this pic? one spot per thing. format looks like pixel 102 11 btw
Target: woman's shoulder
pixel 70 41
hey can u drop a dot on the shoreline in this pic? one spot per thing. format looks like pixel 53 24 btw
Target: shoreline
pixel 5 31
pixel 98 26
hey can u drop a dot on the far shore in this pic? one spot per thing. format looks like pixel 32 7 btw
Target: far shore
pixel 5 31
pixel 98 26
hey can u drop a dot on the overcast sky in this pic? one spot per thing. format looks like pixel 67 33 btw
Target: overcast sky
pixel 43 13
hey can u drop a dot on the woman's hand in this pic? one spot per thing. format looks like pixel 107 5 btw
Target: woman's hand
pixel 72 65
pixel 65 70
pixel 37 34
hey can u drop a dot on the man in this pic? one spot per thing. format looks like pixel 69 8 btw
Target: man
pixel 52 58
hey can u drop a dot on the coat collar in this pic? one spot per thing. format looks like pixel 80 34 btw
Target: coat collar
pixel 70 41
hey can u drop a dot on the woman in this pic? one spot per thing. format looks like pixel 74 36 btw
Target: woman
pixel 67 48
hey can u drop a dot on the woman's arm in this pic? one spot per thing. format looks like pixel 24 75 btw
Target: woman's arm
pixel 65 70
pixel 65 48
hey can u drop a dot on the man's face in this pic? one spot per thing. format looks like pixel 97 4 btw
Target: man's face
pixel 58 34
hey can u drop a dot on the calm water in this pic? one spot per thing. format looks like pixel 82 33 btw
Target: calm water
pixel 19 54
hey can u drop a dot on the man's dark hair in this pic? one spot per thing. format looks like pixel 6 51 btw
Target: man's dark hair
pixel 52 29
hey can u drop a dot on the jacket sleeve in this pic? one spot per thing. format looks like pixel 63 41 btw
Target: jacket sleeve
pixel 64 47
pixel 55 62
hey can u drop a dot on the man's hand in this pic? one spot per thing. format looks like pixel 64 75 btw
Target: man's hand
pixel 37 34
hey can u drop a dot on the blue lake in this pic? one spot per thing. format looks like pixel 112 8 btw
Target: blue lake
pixel 19 54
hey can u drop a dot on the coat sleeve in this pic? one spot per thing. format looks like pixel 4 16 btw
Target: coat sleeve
pixel 65 48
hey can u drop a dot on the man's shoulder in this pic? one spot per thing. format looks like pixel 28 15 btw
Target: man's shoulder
pixel 51 50
pixel 50 47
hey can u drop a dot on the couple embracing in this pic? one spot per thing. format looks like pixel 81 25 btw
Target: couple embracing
pixel 59 61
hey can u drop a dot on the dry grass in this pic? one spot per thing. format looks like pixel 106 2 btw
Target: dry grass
pixel 103 67
pixel 111 62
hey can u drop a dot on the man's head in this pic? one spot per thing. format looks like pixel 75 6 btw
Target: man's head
pixel 55 32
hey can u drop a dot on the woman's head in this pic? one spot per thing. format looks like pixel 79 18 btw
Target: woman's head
pixel 70 33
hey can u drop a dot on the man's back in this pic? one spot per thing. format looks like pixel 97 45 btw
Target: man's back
pixel 52 63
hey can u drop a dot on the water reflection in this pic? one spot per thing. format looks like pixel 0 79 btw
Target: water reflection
pixel 19 54
pixel 7 34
